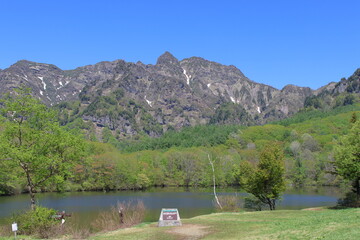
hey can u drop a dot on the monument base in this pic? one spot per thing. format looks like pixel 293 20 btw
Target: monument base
pixel 169 223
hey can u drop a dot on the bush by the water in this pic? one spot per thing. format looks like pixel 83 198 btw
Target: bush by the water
pixel 229 203
pixel 39 222
pixel 125 214
pixel 350 200
pixel 42 223
pixel 253 203
pixel 5 230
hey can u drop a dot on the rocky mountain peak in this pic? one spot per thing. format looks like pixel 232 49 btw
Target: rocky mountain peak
pixel 34 67
pixel 296 89
pixel 350 85
pixel 23 62
pixel 167 58
pixel 134 97
pixel 327 88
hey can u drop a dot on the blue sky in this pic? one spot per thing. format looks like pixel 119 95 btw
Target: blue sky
pixel 305 43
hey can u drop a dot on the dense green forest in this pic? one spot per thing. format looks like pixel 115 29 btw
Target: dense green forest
pixel 201 135
pixel 180 158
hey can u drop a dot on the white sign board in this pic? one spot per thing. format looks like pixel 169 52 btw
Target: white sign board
pixel 14 227
pixel 169 217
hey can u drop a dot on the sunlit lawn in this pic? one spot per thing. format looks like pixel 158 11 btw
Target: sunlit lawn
pixel 284 224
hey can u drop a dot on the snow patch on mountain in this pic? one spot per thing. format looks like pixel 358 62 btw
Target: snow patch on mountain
pixel 42 81
pixel 148 102
pixel 187 77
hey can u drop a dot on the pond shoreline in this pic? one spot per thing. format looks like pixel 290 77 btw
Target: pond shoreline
pixel 191 202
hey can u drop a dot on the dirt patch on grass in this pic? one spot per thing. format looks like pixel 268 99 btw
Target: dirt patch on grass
pixel 123 230
pixel 190 231
pixel 313 209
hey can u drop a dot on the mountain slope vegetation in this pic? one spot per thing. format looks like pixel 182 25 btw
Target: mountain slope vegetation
pixel 180 158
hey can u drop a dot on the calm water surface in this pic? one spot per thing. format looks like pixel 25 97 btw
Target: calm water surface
pixel 190 202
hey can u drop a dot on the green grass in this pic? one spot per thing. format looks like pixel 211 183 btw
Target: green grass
pixel 281 224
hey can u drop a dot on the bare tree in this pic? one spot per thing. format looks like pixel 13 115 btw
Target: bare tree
pixel 212 166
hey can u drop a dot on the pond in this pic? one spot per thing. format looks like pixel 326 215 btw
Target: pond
pixel 190 201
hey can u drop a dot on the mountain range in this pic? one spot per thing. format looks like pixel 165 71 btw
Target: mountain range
pixel 133 98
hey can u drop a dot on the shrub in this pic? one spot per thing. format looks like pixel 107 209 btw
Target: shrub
pixel 253 203
pixel 350 200
pixel 78 233
pixel 5 230
pixel 132 213
pixel 229 203
pixel 38 222
pixel 121 216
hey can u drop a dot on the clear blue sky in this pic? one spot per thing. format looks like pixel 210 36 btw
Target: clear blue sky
pixel 301 42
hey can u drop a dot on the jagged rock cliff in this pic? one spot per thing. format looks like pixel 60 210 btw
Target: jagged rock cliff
pixel 134 97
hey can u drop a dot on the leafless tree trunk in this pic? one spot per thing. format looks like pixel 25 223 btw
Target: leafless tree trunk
pixel 212 166
pixel 121 215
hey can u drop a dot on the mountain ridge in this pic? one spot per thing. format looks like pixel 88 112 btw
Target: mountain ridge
pixel 137 97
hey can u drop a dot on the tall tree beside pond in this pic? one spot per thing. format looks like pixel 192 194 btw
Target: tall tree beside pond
pixel 32 141
pixel 266 181
pixel 347 157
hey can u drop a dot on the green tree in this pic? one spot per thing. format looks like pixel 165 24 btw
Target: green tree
pixel 353 118
pixel 266 181
pixel 8 180
pixel 347 158
pixel 298 172
pixel 32 141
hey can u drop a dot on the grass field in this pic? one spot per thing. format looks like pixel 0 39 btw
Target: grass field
pixel 282 224
pixel 317 223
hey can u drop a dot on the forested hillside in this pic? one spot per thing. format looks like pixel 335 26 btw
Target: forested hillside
pixel 308 145
pixel 181 158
